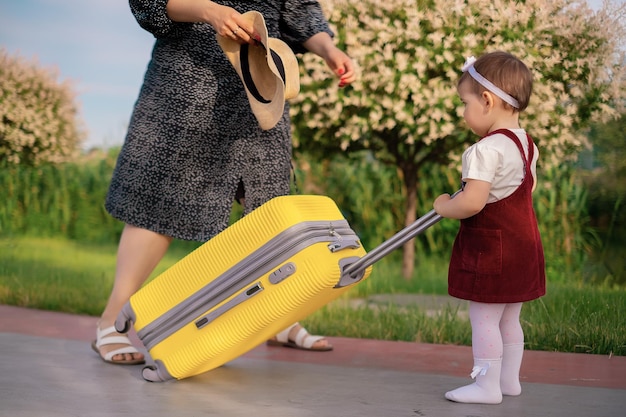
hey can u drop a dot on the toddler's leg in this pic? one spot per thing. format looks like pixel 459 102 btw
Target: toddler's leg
pixel 513 349
pixel 487 350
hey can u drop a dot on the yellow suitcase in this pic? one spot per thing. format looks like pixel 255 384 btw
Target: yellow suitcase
pixel 271 268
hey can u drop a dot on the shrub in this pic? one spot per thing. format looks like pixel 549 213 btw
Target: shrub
pixel 39 116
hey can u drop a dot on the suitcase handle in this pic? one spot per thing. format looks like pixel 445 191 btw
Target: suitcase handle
pixel 353 270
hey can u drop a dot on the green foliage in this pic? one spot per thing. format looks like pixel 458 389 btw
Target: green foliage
pixel 68 200
pixel 430 277
pixel 588 319
pixel 391 322
pixel 561 208
pixel 62 275
pixel 370 195
pixel 569 318
pixel 39 117
pixel 603 177
pixel 404 107
pixel 59 200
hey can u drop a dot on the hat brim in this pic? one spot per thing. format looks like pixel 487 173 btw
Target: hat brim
pixel 269 71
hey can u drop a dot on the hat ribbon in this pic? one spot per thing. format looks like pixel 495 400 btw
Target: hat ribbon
pixel 247 77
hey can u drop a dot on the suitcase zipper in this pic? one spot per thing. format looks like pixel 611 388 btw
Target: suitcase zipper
pixel 260 262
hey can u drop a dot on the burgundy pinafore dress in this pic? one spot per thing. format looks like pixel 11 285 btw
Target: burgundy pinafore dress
pixel 497 255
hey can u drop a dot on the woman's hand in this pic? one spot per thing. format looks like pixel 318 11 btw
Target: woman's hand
pixel 226 21
pixel 229 23
pixel 339 62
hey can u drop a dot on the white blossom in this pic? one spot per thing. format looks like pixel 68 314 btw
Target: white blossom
pixel 409 61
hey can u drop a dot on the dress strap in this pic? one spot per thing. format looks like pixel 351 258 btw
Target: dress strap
pixel 514 138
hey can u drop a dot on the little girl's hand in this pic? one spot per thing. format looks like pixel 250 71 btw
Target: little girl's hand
pixel 439 201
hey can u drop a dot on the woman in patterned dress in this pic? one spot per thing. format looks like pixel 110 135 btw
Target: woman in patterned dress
pixel 193 141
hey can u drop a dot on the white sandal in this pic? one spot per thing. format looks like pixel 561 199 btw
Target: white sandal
pixel 303 340
pixel 110 336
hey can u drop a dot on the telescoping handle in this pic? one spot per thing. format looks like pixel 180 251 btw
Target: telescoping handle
pixel 394 242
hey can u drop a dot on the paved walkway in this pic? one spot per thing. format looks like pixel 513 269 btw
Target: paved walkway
pixel 48 369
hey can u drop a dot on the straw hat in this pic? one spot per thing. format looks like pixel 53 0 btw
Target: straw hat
pixel 269 71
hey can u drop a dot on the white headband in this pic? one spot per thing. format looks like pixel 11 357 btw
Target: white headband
pixel 469 67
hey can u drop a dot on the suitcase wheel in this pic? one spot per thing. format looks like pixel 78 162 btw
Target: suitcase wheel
pixel 121 325
pixel 152 373
pixel 125 318
pixel 149 373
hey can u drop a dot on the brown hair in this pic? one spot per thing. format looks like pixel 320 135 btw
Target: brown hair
pixel 505 71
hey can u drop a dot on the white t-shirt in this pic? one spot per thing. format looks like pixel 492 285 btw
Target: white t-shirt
pixel 497 160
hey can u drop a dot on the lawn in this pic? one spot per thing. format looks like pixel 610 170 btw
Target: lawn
pixel 63 275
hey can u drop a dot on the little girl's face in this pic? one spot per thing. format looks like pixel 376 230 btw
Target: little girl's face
pixel 475 113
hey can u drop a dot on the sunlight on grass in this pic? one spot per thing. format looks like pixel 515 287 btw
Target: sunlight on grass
pixel 430 277
pixel 56 253
pixel 62 275
pixel 574 316
pixel 410 323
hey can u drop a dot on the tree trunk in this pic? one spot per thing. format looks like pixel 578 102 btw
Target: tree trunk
pixel 410 215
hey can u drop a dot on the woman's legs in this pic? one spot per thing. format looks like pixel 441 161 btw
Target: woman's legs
pixel 138 253
pixel 320 344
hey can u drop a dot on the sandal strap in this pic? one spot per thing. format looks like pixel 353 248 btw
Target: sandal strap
pixel 100 333
pixel 110 336
pixel 113 340
pixel 306 340
pixel 283 337
pixel 128 349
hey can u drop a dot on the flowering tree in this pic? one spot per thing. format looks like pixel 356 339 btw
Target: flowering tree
pixel 405 109
pixel 38 115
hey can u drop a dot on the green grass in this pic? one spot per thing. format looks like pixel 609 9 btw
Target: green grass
pixel 430 277
pixel 568 319
pixel 63 275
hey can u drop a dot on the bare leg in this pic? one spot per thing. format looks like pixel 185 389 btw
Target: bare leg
pixel 139 252
pixel 319 344
pixel 297 336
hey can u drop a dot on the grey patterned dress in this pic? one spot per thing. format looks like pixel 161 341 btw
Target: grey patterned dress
pixel 192 137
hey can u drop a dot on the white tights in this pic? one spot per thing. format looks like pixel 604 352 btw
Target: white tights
pixel 498 347
pixel 493 326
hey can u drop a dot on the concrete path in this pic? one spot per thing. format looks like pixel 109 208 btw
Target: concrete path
pixel 47 368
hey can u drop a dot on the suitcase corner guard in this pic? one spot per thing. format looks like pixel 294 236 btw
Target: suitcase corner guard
pixel 349 277
pixel 125 318
pixel 156 372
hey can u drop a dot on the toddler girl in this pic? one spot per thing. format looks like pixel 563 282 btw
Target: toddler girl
pixel 497 259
